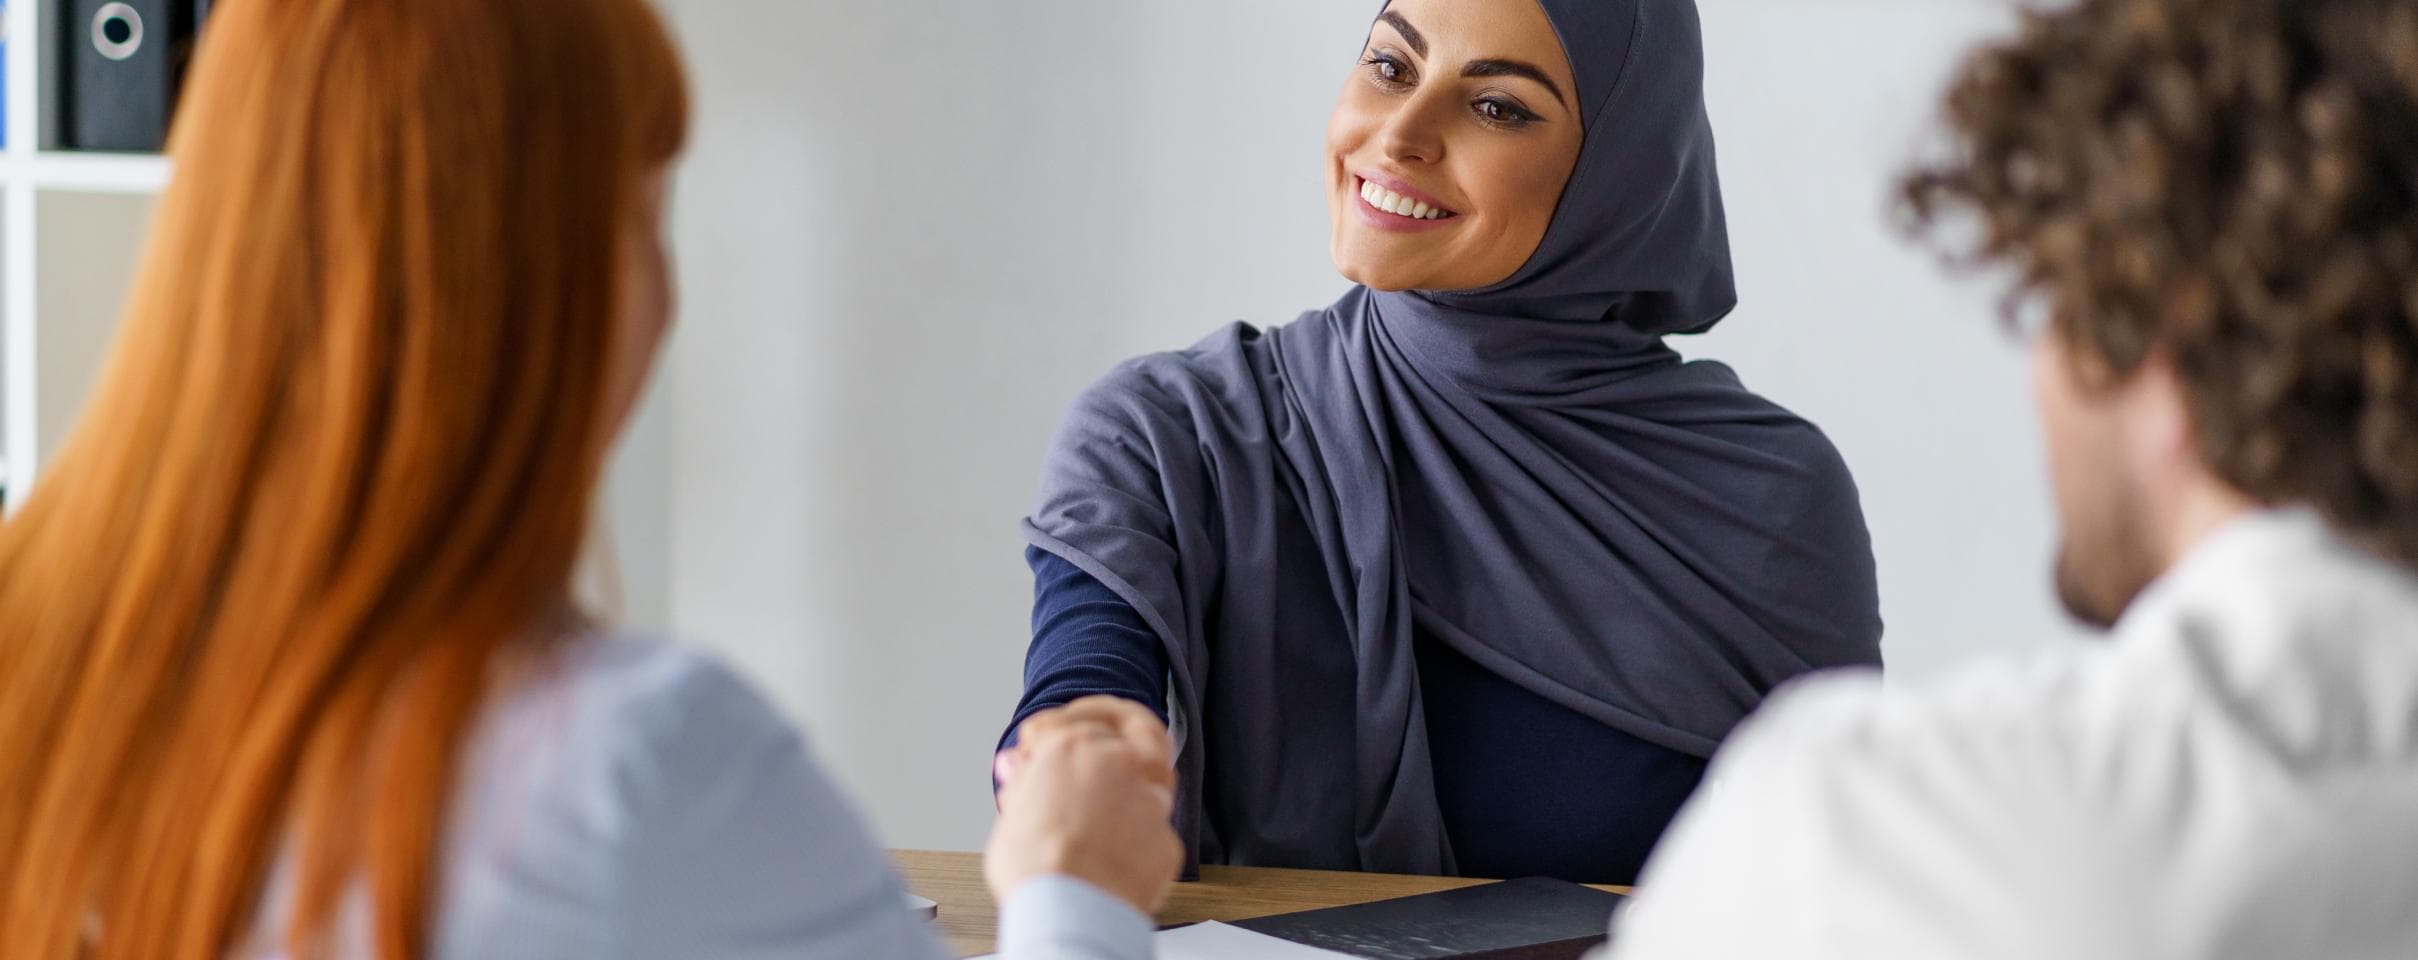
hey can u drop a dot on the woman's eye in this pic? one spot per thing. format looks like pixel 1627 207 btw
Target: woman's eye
pixel 1504 112
pixel 1387 70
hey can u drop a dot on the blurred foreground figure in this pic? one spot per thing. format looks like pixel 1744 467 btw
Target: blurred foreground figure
pixel 288 660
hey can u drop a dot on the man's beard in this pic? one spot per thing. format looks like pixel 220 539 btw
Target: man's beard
pixel 2103 567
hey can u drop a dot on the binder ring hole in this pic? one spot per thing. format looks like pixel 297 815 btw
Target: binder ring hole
pixel 117 31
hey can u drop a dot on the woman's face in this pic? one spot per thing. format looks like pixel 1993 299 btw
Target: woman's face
pixel 1450 145
pixel 646 302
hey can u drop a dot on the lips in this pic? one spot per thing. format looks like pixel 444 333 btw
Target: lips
pixel 1409 207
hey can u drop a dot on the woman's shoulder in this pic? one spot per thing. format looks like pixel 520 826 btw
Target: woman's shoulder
pixel 1709 397
pixel 569 770
pixel 608 727
pixel 625 796
pixel 1226 378
pixel 627 692
pixel 1220 359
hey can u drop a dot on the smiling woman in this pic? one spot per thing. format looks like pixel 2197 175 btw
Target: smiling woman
pixel 1467 572
pixel 1446 156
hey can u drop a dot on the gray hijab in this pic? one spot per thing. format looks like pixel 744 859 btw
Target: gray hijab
pixel 1524 472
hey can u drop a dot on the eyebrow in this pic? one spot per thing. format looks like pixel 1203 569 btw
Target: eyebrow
pixel 1476 68
pixel 1513 68
pixel 1410 34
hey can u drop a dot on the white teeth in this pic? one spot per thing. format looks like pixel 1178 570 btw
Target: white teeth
pixel 1397 204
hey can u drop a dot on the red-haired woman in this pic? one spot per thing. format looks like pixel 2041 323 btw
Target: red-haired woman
pixel 288 665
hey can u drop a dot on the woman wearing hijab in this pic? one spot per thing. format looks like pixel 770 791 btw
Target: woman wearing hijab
pixel 1468 572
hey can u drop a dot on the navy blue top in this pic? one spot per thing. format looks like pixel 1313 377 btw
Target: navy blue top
pixel 1527 787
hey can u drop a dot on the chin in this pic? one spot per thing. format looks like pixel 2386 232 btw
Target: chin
pixel 2097 587
pixel 1373 276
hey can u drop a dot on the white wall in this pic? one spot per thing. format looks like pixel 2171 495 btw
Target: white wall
pixel 89 247
pixel 910 230
pixel 1818 104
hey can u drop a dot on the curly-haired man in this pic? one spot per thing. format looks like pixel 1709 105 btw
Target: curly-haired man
pixel 2211 206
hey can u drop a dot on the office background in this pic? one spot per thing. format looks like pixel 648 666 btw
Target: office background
pixel 910 230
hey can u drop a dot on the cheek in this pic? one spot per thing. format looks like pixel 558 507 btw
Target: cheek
pixel 1348 127
pixel 2066 413
pixel 2050 401
pixel 2073 447
pixel 646 272
pixel 1542 181
pixel 2046 385
pixel 646 312
pixel 1520 184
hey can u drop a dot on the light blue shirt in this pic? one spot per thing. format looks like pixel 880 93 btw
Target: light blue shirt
pixel 639 800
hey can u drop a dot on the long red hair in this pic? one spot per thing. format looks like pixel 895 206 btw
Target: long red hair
pixel 339 464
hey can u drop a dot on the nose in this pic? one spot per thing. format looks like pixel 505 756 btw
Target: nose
pixel 1414 132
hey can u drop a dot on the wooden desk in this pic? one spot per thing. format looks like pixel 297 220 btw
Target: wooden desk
pixel 971 920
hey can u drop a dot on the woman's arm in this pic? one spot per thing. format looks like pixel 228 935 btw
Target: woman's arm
pixel 739 847
pixel 1086 642
pixel 746 851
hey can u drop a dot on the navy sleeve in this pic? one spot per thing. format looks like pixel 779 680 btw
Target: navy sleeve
pixel 1086 641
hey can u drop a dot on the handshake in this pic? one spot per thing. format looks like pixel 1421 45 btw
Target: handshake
pixel 1087 792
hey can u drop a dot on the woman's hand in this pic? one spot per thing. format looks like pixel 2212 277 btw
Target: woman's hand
pixel 1126 719
pixel 1088 795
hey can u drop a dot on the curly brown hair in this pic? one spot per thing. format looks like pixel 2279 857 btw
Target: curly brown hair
pixel 2233 183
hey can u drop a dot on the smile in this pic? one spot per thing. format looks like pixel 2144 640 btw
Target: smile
pixel 1387 201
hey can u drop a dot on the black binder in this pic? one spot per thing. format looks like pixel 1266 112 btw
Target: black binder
pixel 1533 919
pixel 121 62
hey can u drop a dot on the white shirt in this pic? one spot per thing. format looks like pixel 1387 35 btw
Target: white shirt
pixel 2233 775
pixel 638 800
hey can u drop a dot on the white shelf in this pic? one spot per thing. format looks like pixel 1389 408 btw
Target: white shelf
pixel 30 346
pixel 86 172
